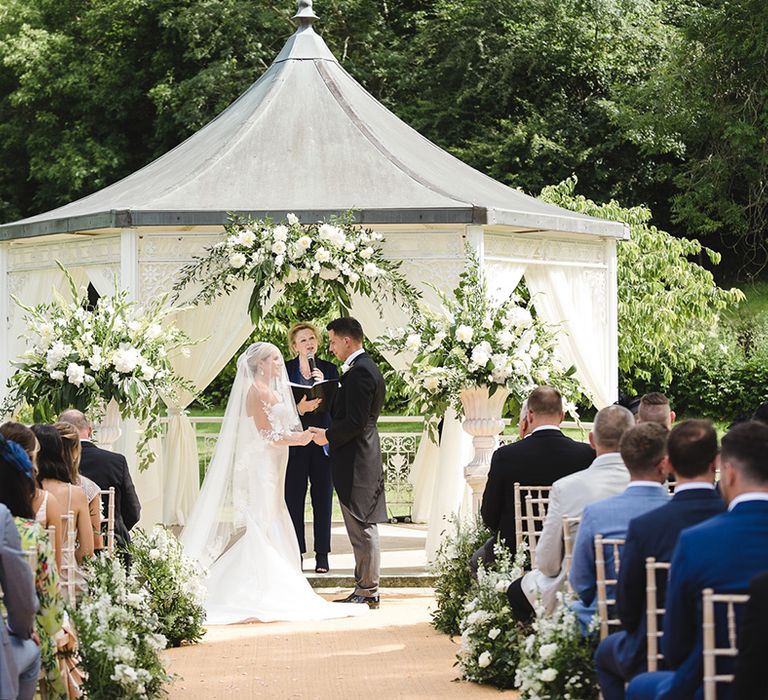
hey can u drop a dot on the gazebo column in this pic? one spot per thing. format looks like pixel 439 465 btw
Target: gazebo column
pixel 612 332
pixel 5 301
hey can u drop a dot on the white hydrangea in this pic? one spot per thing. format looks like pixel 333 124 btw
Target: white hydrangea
pixel 237 260
pixel 329 273
pixel 322 255
pixel 56 353
pixel 547 651
pixel 519 317
pixel 125 359
pixel 75 373
pixel 548 675
pixel 366 253
pixel 280 233
pixel 124 675
pixel 57 375
pixel 370 270
pixel 350 246
pixel 154 553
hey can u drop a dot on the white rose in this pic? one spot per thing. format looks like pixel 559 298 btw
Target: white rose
pixel 292 219
pixel 279 260
pixel 304 242
pixel 292 276
pixel 413 342
pixel 337 238
pixel 501 586
pixel 495 632
pixel 148 373
pixel 279 247
pixel 547 650
pixel 519 317
pixel 481 354
pixel 246 237
pixel 322 255
pixel 154 331
pixel 57 375
pixel 280 233
pixel 75 373
pixel 548 675
pixel 431 383
pixel 370 270
pixel 329 273
pixel 464 334
pixel 350 246
pixel 353 277
pixel 505 339
pixel 534 351
pixel 237 260
pixel 366 253
pixel 325 232
pixel 487 323
pixel 484 660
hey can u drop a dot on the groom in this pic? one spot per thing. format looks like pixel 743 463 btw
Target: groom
pixel 355 453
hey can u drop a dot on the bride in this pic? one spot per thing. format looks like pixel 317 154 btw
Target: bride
pixel 258 576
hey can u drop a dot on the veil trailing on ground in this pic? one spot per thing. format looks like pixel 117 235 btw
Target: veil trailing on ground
pixel 223 506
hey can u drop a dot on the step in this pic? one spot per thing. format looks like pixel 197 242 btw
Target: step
pixel 387 580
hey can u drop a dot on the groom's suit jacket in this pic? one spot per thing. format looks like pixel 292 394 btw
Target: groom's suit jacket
pixel 353 441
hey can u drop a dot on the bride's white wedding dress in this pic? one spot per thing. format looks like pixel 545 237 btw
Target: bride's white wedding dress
pixel 258 576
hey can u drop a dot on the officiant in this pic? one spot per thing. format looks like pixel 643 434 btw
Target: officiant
pixel 309 463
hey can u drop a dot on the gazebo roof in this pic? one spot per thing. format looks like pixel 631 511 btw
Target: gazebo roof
pixel 307 138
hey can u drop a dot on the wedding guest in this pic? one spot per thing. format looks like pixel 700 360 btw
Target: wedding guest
pixel 53 475
pixel 539 460
pixel 107 469
pixel 19 654
pixel 17 489
pixel 692 451
pixel 48 510
pixel 654 408
pixel 723 553
pixel 310 463
pixel 523 428
pixel 72 452
pixel 751 679
pixel 643 449
pixel 606 476
pixel 761 413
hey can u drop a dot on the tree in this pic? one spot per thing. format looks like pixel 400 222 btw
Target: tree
pixel 668 305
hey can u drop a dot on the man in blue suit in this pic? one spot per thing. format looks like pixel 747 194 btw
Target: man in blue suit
pixel 692 453
pixel 644 451
pixel 723 553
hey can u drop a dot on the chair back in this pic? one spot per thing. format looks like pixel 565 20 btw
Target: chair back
pixel 605 605
pixel 31 556
pixel 570 526
pixel 110 519
pixel 68 561
pixel 710 650
pixel 653 611
pixel 520 492
pixel 535 513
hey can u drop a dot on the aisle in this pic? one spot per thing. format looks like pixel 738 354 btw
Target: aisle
pixel 391 653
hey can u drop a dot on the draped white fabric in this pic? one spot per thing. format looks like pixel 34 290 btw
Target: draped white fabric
pixel 225 325
pixel 502 278
pixel 574 299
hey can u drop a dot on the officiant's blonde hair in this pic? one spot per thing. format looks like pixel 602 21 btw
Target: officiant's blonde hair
pixel 302 326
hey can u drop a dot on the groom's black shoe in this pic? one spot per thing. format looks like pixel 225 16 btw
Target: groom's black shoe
pixel 372 601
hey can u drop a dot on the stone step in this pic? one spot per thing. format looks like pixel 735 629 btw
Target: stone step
pixel 393 580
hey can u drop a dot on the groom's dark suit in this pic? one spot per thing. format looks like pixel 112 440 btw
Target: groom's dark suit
pixel 356 465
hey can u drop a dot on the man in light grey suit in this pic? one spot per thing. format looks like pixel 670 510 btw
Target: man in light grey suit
pixel 606 476
pixel 19 656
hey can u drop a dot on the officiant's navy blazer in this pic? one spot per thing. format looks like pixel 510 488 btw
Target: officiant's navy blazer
pixel 723 553
pixel 654 534
pixel 321 418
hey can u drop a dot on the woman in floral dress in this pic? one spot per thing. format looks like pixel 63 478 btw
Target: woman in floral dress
pixel 17 490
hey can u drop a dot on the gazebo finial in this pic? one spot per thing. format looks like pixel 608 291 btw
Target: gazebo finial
pixel 304 16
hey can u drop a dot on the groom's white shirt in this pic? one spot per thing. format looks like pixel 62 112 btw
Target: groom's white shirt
pixel 348 362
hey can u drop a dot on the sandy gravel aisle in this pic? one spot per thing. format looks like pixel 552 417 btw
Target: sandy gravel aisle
pixel 390 653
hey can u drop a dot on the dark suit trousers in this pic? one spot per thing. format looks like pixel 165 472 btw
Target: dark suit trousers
pixel 365 545
pixel 309 462
pixel 612 670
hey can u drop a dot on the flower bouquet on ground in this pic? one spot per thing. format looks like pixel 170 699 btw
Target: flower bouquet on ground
pixel 173 582
pixel 556 660
pixel 454 580
pixel 491 637
pixel 336 257
pixel 119 643
pixel 80 356
pixel 475 340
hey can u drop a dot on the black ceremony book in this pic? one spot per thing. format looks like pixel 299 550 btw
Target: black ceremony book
pixel 325 390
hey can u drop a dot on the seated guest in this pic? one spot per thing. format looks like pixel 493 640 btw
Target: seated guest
pixel 17 489
pixel 53 475
pixel 48 510
pixel 70 439
pixel 723 553
pixel 644 451
pixel 107 469
pixel 654 408
pixel 539 460
pixel 606 476
pixel 692 452
pixel 751 682
pixel 19 655
pixel 761 413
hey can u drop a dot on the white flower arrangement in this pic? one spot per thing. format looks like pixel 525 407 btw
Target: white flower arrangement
pixel 556 660
pixel 173 583
pixel 83 357
pixel 119 642
pixel 335 256
pixel 476 340
pixel 491 637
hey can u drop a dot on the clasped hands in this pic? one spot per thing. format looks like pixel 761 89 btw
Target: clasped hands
pixel 318 436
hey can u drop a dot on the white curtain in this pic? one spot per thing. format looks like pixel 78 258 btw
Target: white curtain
pixel 574 299
pixel 502 278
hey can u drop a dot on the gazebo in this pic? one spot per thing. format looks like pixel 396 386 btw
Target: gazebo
pixel 307 138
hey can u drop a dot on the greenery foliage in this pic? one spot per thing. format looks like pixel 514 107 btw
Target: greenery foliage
pixel 173 583
pixel 669 306
pixel 451 568
pixel 119 642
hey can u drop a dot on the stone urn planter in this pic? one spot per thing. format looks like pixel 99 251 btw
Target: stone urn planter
pixel 107 431
pixel 482 420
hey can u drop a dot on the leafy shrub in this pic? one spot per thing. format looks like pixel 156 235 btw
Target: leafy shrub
pixel 454 578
